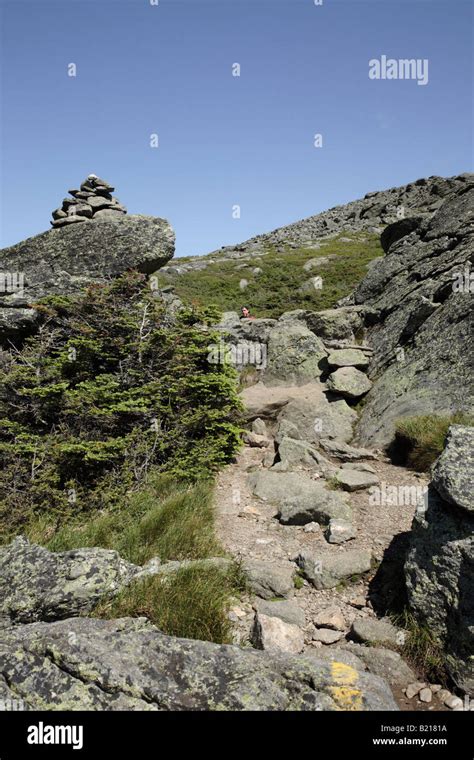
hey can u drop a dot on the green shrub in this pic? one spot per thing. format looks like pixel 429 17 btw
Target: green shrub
pixel 107 391
pixel 420 440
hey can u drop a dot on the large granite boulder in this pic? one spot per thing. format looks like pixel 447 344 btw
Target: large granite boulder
pixel 328 570
pixel 36 584
pixel 64 260
pixel 453 473
pixel 126 664
pixel 269 580
pixel 315 418
pixel 439 568
pixel 348 357
pixel 349 382
pixel 299 499
pixel 294 355
pixel 423 339
pixel 330 324
pixel 295 452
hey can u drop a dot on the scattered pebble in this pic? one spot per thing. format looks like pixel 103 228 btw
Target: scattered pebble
pixel 413 689
pixel 330 618
pixel 425 695
pixel 454 703
pixel 312 527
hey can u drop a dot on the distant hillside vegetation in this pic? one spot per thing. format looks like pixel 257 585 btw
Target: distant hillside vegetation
pixel 272 281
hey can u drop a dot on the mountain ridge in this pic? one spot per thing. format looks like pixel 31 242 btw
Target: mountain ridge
pixel 436 188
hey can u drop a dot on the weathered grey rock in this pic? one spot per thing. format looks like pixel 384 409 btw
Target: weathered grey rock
pixel 349 382
pixel 285 609
pixel 99 202
pixel 108 214
pixel 359 466
pixel 127 664
pixel 325 570
pixel 259 427
pixel 383 662
pixel 330 617
pixel 334 324
pixel 355 480
pixel 260 401
pixel 256 441
pixel 317 418
pixel 36 584
pixel 339 654
pixel 310 286
pixel 340 531
pixel 425 695
pixel 454 703
pixel 373 631
pixel 273 634
pixel 300 499
pixel 345 452
pixel 423 340
pixel 413 689
pixel 296 452
pixel 68 220
pixel 453 473
pixel 348 357
pixel 398 230
pixel 83 209
pixel 288 429
pixel 269 579
pixel 237 330
pixel 64 261
pixel 294 355
pixel 439 573
pixel 317 262
pixel 327 636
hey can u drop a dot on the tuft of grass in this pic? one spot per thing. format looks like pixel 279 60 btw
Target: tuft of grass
pixel 422 439
pixel 171 520
pixel 277 288
pixel 333 484
pixel 167 519
pixel 422 649
pixel 191 603
pixel 298 579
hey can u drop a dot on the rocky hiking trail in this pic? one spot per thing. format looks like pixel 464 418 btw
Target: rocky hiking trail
pixel 284 611
pixel 307 507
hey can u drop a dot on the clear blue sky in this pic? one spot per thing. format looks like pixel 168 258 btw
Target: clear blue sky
pixel 166 69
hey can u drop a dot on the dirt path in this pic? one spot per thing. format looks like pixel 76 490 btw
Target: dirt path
pixel 249 529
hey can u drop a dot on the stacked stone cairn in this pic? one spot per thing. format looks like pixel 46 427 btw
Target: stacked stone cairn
pixel 94 201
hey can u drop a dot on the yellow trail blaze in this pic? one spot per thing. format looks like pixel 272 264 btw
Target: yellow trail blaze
pixel 345 692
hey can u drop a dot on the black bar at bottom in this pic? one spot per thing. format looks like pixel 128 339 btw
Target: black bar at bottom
pixel 134 734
